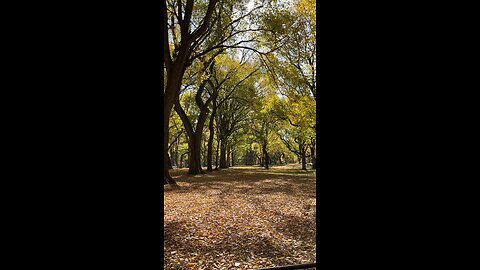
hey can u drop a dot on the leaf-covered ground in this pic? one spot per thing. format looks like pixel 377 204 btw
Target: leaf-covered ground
pixel 240 218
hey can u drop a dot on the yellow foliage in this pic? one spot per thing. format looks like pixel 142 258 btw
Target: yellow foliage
pixel 309 8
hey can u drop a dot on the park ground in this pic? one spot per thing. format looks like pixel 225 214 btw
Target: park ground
pixel 243 217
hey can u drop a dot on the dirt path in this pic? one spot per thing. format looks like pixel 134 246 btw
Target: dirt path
pixel 240 218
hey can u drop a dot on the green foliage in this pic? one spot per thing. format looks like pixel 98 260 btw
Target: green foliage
pixel 262 100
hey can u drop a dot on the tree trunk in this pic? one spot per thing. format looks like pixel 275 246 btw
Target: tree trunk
pixel 223 152
pixel 171 156
pixel 172 90
pixel 176 69
pixel 182 160
pixel 168 103
pixel 233 163
pixel 169 163
pixel 218 148
pixel 210 138
pixel 265 155
pixel 194 166
pixel 304 159
pixel 314 158
pixel 194 139
pixel 176 154
pixel 228 156
pixel 258 159
pixel 204 157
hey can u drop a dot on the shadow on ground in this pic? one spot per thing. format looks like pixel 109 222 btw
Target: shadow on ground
pixel 240 218
pixel 247 180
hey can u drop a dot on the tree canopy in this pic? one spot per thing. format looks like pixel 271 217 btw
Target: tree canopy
pixel 240 84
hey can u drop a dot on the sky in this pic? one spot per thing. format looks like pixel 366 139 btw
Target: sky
pixel 250 5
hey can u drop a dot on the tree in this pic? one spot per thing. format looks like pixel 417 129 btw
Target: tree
pixel 294 61
pixel 264 122
pixel 296 131
pixel 231 114
pixel 176 131
pixel 230 81
pixel 194 29
pixel 195 131
pixel 211 76
pixel 296 141
pixel 293 64
pixel 177 17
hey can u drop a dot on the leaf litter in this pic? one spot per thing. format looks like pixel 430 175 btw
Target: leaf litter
pixel 240 218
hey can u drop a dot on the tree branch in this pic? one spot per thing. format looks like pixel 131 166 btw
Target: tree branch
pixel 166 45
pixel 176 138
pixel 206 20
pixel 186 122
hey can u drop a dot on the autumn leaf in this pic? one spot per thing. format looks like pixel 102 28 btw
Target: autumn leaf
pixel 190 264
pixel 250 218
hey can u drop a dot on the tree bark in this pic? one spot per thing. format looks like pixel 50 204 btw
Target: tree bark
pixel 194 137
pixel 194 165
pixel 258 160
pixel 211 137
pixel 218 148
pixel 304 159
pixel 210 151
pixel 265 155
pixel 176 154
pixel 171 156
pixel 314 158
pixel 223 151
pixel 204 156
pixel 172 91
pixel 176 67
pixel 169 163
pixel 228 156
pixel 168 103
